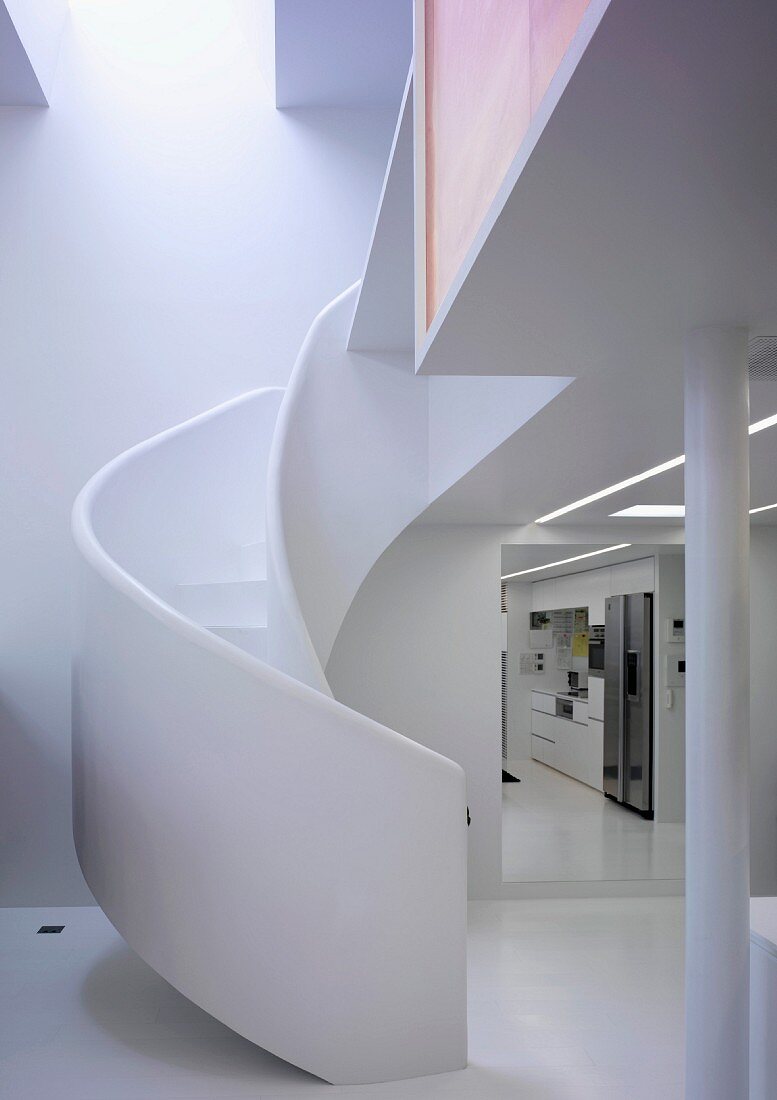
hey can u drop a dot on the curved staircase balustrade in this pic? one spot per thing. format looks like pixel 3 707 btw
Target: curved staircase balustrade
pixel 291 866
pixel 349 470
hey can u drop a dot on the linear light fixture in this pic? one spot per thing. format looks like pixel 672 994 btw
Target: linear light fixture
pixel 566 561
pixel 667 511
pixel 758 426
pixel 767 422
pixel 652 511
pixel 653 472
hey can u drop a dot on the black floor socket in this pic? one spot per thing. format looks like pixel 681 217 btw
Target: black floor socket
pixel 50 928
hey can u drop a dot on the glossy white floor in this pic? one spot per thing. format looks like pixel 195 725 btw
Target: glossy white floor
pixel 568 1000
pixel 557 829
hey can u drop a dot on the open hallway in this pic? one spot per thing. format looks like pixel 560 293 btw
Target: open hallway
pixel 556 829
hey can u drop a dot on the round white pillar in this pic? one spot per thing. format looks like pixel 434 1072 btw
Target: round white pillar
pixel 717 613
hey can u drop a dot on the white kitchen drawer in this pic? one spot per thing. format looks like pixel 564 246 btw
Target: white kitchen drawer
pixel 544 725
pixel 596 698
pixel 539 748
pixel 580 711
pixel 551 754
pixel 543 702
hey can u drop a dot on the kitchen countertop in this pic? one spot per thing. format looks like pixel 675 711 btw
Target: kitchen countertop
pixel 562 695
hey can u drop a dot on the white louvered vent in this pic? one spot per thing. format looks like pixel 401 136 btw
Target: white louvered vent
pixel 504 705
pixel 762 356
pixel 504 674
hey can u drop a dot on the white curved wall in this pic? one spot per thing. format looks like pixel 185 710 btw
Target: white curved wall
pixel 348 472
pixel 216 796
pixel 178 212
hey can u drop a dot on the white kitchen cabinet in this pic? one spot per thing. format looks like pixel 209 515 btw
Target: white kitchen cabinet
pixel 538 748
pixel 552 749
pixel 566 591
pixel 543 595
pixel 588 589
pixel 544 725
pixel 596 698
pixel 633 576
pixel 541 701
pixel 600 590
pixel 573 746
pixel 595 753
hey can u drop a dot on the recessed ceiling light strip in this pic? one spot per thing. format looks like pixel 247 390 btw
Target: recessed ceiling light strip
pixel 758 426
pixel 767 422
pixel 613 489
pixel 667 511
pixel 566 561
pixel 651 511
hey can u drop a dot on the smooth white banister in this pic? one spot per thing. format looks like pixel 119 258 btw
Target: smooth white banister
pixel 293 867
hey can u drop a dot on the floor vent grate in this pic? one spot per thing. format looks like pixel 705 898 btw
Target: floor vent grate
pixel 762 357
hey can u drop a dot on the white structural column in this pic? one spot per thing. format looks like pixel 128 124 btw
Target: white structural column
pixel 717 534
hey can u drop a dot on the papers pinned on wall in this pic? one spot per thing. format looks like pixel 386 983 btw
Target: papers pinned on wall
pixel 564 658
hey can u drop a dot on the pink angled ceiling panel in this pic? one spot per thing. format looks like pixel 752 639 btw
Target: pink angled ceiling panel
pixel 487 65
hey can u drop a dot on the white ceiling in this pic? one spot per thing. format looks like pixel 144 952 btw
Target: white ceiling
pixel 647 206
pixel 597 432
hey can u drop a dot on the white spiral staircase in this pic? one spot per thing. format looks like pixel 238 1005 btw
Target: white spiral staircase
pixel 293 867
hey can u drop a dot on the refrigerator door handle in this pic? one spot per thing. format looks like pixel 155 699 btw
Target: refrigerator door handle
pixel 622 704
pixel 633 675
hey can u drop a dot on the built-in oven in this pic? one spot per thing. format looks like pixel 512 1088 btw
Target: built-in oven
pixel 596 651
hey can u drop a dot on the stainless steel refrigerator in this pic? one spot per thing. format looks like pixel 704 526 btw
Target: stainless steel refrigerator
pixel 628 701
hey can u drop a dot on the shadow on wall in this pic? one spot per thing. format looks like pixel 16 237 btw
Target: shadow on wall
pixel 28 824
pixel 134 1005
pixel 341 131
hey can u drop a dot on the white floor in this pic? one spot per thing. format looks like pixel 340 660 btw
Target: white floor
pixel 557 829
pixel 568 1000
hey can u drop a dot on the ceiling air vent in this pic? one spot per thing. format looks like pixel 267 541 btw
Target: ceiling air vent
pixel 762 356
